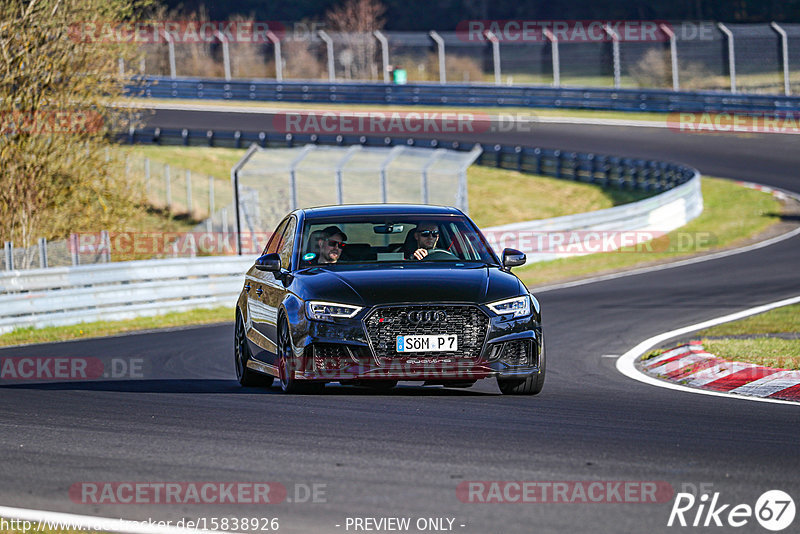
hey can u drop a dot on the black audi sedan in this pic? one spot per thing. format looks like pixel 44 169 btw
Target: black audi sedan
pixel 373 294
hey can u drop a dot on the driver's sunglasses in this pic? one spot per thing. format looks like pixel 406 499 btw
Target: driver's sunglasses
pixel 335 244
pixel 429 233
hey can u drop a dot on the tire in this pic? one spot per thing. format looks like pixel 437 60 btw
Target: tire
pixel 241 353
pixel 530 386
pixel 287 364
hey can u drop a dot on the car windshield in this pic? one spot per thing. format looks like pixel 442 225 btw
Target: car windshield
pixel 397 239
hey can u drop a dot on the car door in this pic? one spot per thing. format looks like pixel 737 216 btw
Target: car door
pixel 261 316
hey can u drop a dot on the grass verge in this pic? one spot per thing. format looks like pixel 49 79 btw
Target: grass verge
pixel 766 351
pixel 52 334
pixel 731 214
pixel 785 319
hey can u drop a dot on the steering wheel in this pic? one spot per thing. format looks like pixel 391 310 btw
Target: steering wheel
pixel 439 254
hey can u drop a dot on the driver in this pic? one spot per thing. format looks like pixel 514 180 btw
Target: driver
pixel 427 235
pixel 330 245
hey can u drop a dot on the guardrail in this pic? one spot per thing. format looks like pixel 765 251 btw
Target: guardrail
pixel 654 100
pixel 603 170
pixel 113 291
pixel 602 230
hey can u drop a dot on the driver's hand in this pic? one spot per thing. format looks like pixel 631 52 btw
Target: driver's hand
pixel 420 253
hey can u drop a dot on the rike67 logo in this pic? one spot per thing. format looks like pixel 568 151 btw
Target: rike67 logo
pixel 774 510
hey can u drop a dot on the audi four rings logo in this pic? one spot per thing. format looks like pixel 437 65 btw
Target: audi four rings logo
pixel 426 317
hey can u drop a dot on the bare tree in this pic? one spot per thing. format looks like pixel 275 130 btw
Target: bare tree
pixel 355 21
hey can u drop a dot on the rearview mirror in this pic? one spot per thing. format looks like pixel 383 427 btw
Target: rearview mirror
pixel 269 262
pixel 513 258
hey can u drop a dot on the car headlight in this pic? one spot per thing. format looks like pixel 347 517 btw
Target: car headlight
pixel 517 306
pixel 327 311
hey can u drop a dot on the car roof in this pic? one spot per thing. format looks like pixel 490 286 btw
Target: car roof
pixel 378 209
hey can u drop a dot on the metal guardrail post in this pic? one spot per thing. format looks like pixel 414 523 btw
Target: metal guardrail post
pixel 171 44
pixel 787 89
pixel 276 43
pixel 105 246
pixel 339 166
pixel 188 176
pixel 554 55
pixel 495 55
pixel 393 154
pixel 235 185
pixel 293 173
pixel 9 250
pixel 329 48
pixel 73 246
pixel 147 177
pixel 731 54
pixel 43 253
pixel 226 56
pixel 440 47
pixel 210 196
pixel 384 54
pixel 673 54
pixel 424 185
pixel 615 52
pixel 168 185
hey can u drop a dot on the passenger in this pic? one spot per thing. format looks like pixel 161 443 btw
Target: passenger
pixel 426 235
pixel 330 245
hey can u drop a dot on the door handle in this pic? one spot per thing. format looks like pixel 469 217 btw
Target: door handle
pixel 259 291
pixel 247 287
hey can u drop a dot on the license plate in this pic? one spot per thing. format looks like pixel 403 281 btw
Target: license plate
pixel 427 343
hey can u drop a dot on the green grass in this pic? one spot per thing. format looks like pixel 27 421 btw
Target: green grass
pixel 52 334
pixel 499 196
pixel 769 352
pixel 785 319
pixel 731 214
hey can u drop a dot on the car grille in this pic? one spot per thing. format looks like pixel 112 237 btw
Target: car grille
pixel 385 323
pixel 332 357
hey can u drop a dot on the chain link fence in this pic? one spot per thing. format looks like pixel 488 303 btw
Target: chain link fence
pixel 759 57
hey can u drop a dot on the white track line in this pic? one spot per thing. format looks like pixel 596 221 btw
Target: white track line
pixel 626 362
pixel 88 522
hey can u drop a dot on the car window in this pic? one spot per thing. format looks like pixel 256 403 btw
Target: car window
pixel 275 239
pixel 287 244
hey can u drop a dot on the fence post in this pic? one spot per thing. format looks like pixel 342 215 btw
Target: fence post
pixel 384 53
pixel 339 166
pixel 147 178
pixel 73 241
pixel 425 186
pixel 105 244
pixel 9 248
pixel 440 46
pixel 278 61
pixel 226 56
pixel 43 253
pixel 495 54
pixel 293 174
pixel 329 48
pixel 615 52
pixel 673 55
pixel 188 176
pixel 171 44
pixel 168 186
pixel 731 54
pixel 787 89
pixel 554 54
pixel 210 196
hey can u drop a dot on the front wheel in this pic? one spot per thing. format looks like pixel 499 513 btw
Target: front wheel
pixel 287 364
pixel 529 386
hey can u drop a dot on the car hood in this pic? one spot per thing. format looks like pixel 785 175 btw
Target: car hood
pixel 407 283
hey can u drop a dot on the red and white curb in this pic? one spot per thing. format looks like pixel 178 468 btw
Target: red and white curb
pixel 692 366
pixel 627 363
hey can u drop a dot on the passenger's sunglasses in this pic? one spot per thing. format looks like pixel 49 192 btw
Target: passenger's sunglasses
pixel 335 244
pixel 429 233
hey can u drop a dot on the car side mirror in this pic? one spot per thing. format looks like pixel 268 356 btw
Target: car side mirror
pixel 513 258
pixel 269 262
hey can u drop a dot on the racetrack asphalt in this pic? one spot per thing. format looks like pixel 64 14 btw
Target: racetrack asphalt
pixel 404 453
